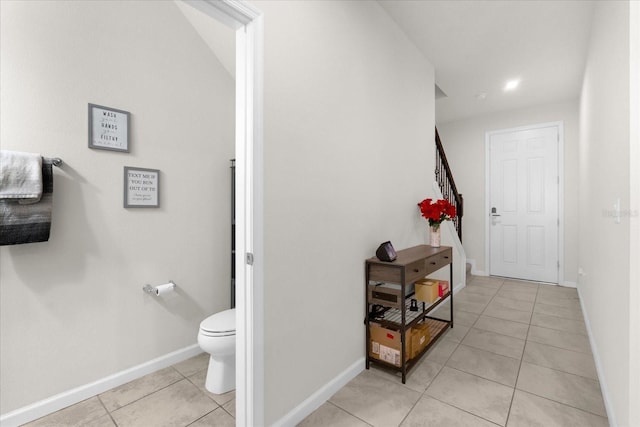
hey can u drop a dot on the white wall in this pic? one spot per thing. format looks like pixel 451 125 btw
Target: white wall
pixel 349 152
pixel 464 144
pixel 634 220
pixel 72 309
pixel 605 149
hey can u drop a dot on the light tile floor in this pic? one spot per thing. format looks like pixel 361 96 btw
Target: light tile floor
pixel 174 396
pixel 518 356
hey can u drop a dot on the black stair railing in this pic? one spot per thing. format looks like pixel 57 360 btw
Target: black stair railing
pixel 444 177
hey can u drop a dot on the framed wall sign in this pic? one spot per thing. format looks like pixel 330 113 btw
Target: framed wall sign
pixel 108 128
pixel 141 187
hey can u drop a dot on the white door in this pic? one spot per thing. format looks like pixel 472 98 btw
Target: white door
pixel 523 203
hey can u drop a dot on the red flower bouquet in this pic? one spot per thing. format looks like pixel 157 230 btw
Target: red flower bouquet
pixel 437 211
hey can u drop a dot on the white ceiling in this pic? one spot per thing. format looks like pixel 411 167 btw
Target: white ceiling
pixel 476 46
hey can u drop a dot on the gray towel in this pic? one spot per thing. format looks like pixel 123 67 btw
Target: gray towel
pixel 20 176
pixel 20 223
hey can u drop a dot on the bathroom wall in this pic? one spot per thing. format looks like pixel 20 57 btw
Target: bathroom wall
pixel 464 140
pixel 72 309
pixel 349 152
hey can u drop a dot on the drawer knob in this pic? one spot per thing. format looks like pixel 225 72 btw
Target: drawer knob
pixel 415 270
pixel 433 263
pixel 446 257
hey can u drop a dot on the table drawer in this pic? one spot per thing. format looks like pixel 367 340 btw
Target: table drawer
pixel 416 271
pixel 393 274
pixel 385 273
pixel 436 262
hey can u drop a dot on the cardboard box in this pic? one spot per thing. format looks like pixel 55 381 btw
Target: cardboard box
pixel 420 337
pixel 443 287
pixel 385 344
pixel 427 290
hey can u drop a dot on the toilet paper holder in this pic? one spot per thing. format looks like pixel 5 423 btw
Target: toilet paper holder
pixel 160 289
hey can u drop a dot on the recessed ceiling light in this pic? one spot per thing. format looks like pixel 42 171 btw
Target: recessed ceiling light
pixel 511 85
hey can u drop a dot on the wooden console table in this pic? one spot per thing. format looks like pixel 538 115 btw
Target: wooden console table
pixel 411 264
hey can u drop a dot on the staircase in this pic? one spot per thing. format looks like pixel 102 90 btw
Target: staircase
pixel 444 187
pixel 445 181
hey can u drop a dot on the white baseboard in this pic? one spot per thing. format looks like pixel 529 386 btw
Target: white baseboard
pixel 313 402
pixel 459 287
pixel 569 284
pixel 59 401
pixel 596 357
pixel 474 270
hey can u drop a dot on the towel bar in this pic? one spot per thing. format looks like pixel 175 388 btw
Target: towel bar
pixel 56 161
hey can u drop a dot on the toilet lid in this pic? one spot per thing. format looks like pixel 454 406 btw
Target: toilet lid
pixel 225 321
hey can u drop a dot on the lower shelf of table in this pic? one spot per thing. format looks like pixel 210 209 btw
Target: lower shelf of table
pixel 437 327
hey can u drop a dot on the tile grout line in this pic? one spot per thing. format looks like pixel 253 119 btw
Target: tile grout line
pixel 463 410
pixel 148 394
pixel 108 412
pixel 555 346
pixel 526 341
pixel 482 314
pixel 557 370
pixel 497 318
pixel 440 372
pixel 383 378
pixel 562 372
pixel 205 394
pixel 563 404
pixel 198 419
pixel 112 411
pixel 559 317
pixel 421 395
pixel 347 412
pixel 477 376
pixel 521 360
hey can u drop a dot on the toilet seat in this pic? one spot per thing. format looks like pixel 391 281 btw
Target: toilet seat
pixel 221 324
pixel 217 334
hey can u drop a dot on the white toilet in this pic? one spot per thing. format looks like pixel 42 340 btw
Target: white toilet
pixel 217 336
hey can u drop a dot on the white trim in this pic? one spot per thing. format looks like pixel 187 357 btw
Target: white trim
pixel 460 286
pixel 606 396
pixel 487 191
pixel 248 23
pixel 634 206
pixel 560 125
pixel 313 402
pixel 474 269
pixel 487 203
pixel 70 397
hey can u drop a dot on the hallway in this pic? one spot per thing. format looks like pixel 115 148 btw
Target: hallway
pixel 518 355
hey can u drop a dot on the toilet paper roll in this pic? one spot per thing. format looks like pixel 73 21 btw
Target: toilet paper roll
pixel 164 289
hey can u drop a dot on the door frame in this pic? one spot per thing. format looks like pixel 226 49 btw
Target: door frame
pixel 247 21
pixel 487 196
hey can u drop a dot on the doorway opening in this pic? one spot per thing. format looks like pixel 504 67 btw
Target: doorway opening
pixel 247 22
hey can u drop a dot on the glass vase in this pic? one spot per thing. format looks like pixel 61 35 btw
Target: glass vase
pixel 434 236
